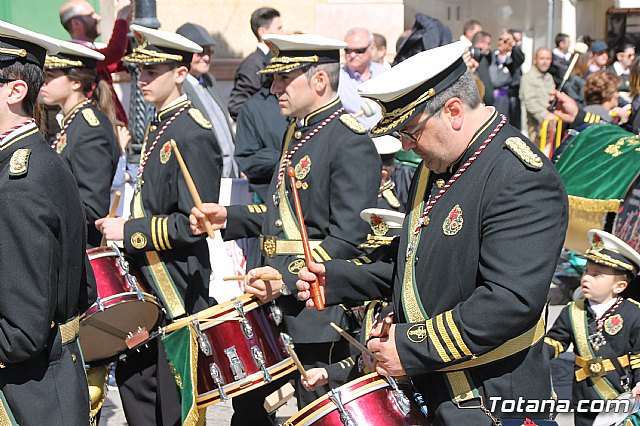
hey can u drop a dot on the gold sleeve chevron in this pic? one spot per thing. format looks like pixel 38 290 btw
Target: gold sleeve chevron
pixel 319 254
pixel 160 233
pixel 446 338
pixel 591 118
pixel 634 361
pixel 346 363
pixel 359 261
pixel 257 208
pixel 557 346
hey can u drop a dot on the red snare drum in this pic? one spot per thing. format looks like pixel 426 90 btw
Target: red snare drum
pixel 124 306
pixel 368 400
pixel 240 349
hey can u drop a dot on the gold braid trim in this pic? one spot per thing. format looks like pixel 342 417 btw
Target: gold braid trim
pixel 53 62
pixel 141 55
pixel 17 52
pixel 292 59
pixel 388 123
pixel 596 206
pixel 273 68
pixel 605 259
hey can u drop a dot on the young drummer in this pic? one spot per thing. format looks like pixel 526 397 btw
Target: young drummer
pixel 604 327
pixel 174 262
pixel 86 141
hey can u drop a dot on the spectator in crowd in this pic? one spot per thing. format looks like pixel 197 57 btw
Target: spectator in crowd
pixel 482 48
pixel 624 56
pixel 469 29
pixel 601 94
pixel 575 84
pixel 600 57
pixel 81 21
pixel 402 38
pixel 200 87
pixel 535 88
pixel 634 92
pixel 561 57
pixel 379 53
pixel 505 73
pixel 357 69
pixel 247 81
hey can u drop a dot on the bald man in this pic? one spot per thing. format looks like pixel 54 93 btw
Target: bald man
pixel 535 88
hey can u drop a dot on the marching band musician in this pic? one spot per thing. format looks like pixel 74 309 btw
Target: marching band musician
pixel 485 223
pixel 43 233
pixel 338 174
pixel 174 262
pixel 86 141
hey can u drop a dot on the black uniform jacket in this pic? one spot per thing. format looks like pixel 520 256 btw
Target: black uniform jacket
pixel 42 273
pixel 622 334
pixel 174 261
pixel 91 151
pixel 339 173
pixel 482 270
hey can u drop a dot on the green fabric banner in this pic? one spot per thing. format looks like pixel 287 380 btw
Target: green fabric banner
pixel 181 347
pixel 632 420
pixel 600 163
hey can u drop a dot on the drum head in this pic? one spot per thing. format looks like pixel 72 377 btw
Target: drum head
pixel 103 333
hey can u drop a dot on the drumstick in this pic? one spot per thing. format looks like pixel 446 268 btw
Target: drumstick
pixel 264 277
pixel 579 49
pixel 318 300
pixel 349 338
pixel 296 361
pixel 192 188
pixel 386 325
pixel 112 212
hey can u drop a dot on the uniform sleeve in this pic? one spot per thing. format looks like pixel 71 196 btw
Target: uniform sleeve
pixel 93 167
pixel 244 221
pixel 559 337
pixel 117 46
pixel 522 231
pixel 584 117
pixel 28 270
pixel 203 158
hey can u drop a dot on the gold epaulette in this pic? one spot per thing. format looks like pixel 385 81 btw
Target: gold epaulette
pixel 635 302
pixel 354 125
pixel 90 117
pixel 375 241
pixel 521 150
pixel 19 163
pixel 199 118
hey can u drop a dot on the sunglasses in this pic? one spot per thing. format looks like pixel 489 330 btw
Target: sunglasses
pixel 6 80
pixel 359 50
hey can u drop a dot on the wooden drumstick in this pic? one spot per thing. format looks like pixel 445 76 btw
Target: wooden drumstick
pixel 112 212
pixel 316 295
pixel 264 277
pixel 386 325
pixel 296 361
pixel 192 188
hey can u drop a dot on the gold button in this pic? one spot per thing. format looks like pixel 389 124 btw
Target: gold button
pixel 2 365
pixel 297 134
pixel 440 183
pixel 73 357
pixel 278 223
pixel 53 324
pixel 153 128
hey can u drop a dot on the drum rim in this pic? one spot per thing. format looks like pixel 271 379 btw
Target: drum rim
pixel 311 412
pixel 131 296
pixel 234 389
pixel 99 252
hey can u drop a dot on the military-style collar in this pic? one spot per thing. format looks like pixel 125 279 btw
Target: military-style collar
pixel 478 138
pixel 322 113
pixel 15 136
pixel 172 107
pixel 76 107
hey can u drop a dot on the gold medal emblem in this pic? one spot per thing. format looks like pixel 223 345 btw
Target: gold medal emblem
pixel 417 333
pixel 378 225
pixel 165 152
pixel 613 324
pixel 138 240
pixel 453 223
pixel 303 167
pixel 61 144
pixel 296 266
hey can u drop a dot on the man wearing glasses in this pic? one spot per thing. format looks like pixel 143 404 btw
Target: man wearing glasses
pixel 81 21
pixel 357 69
pixel 488 215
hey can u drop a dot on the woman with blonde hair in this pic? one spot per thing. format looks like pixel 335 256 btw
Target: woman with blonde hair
pixel 86 141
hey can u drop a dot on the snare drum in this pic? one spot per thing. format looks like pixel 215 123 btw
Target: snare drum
pixel 240 348
pixel 368 400
pixel 123 306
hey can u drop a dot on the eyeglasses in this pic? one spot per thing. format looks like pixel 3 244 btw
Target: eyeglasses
pixel 413 134
pixel 4 80
pixel 359 50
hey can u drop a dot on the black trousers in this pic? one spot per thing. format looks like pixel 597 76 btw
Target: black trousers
pixel 147 388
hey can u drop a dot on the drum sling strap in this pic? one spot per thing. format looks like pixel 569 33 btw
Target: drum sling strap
pixel 464 393
pixel 578 318
pixel 162 282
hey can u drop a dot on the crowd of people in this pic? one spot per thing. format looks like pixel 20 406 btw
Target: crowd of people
pixel 336 146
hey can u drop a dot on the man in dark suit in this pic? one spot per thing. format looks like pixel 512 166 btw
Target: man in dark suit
pixel 43 234
pixel 247 81
pixel 200 88
pixel 560 59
